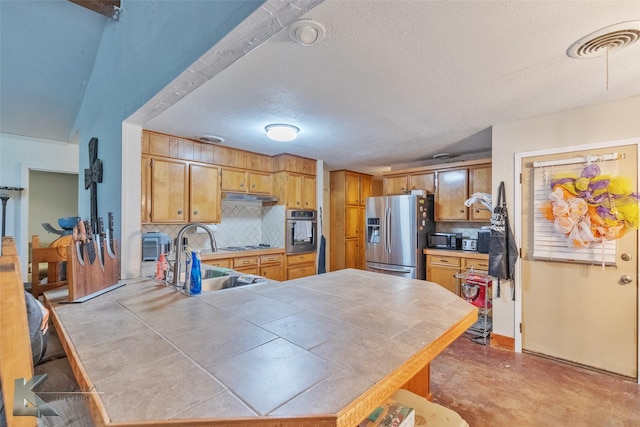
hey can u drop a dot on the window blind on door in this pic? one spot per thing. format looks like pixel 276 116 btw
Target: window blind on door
pixel 553 245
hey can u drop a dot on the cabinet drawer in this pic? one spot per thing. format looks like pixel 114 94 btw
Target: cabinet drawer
pixel 270 259
pixel 297 272
pixel 477 264
pixel 222 263
pixel 245 261
pixel 301 258
pixel 443 260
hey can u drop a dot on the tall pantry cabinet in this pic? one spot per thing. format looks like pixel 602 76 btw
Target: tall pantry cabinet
pixel 348 194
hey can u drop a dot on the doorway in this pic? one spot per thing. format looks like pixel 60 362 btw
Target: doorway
pixel 574 306
pixel 52 195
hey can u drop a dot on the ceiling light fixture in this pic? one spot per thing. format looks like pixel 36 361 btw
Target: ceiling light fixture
pixel 306 32
pixel 282 132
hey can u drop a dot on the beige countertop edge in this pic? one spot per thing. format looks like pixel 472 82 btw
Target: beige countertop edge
pixel 456 253
pixel 360 408
pixel 205 256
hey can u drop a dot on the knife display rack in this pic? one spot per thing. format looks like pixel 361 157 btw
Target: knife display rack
pixel 86 278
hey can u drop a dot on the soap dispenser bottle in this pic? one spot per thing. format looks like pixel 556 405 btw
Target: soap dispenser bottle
pixel 195 282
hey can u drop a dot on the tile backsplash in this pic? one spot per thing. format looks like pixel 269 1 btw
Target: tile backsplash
pixel 469 230
pixel 243 223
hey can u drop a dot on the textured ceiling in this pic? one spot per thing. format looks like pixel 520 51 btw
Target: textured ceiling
pixel 397 82
pixel 393 82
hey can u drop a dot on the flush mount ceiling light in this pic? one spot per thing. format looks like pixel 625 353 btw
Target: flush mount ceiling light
pixel 282 132
pixel 306 32
pixel 605 40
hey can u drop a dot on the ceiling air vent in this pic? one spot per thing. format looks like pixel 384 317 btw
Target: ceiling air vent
pixel 608 39
pixel 210 139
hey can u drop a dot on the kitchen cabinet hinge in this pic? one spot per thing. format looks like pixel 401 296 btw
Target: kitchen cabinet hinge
pixel 520 253
pixel 520 177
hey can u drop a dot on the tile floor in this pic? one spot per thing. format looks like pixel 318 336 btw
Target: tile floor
pixel 489 386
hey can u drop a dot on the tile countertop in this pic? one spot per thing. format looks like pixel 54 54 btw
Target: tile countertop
pixel 323 350
pixel 458 253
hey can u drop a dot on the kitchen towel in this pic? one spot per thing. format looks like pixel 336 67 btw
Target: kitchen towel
pixel 303 231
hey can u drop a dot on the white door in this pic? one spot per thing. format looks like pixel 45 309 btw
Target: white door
pixel 572 310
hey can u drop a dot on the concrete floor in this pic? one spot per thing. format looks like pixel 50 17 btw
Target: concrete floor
pixel 489 386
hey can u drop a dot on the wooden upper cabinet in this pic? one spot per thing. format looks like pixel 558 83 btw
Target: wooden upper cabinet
pixel 145 190
pixel 169 191
pixel 260 182
pixel 395 185
pixel 479 182
pixel 204 190
pixel 451 194
pixel 423 181
pixel 357 188
pixel 234 180
pixel 455 186
pixel 246 181
pixel 290 163
pixel 366 187
pixel 308 192
pixel 352 189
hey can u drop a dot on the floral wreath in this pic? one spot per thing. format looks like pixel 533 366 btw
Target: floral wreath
pixel 591 208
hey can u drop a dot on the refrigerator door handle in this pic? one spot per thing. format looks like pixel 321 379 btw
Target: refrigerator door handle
pixel 395 270
pixel 387 222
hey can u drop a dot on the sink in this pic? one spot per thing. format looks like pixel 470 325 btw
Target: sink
pixel 216 279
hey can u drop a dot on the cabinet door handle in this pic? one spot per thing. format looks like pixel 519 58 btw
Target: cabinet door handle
pixel 195 212
pixel 179 211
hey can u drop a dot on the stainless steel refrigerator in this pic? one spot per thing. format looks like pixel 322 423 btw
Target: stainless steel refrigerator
pixel 397 228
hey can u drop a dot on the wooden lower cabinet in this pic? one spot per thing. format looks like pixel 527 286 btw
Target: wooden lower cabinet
pixel 443 270
pixel 301 265
pixel 271 267
pixel 222 263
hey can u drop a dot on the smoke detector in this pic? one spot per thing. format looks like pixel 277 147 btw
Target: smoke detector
pixel 608 39
pixel 210 139
pixel 306 31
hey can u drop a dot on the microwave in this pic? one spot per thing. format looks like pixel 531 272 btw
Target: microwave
pixel 445 241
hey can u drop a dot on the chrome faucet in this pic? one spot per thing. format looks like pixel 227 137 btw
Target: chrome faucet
pixel 180 248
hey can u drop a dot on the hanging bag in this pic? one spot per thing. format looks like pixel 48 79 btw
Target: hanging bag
pixel 503 251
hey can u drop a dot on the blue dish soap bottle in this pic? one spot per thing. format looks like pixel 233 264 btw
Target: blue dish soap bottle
pixel 195 282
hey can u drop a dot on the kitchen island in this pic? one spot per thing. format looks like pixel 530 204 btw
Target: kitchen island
pixel 324 350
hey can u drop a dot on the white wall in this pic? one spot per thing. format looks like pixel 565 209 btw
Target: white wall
pixel 588 125
pixel 18 155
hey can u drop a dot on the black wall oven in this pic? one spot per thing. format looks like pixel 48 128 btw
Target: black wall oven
pixel 301 233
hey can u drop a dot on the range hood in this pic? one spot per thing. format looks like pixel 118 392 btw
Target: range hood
pixel 243 197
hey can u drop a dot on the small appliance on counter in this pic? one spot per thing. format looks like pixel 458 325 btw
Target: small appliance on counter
pixel 445 241
pixel 469 245
pixel 483 240
pixel 153 244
